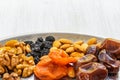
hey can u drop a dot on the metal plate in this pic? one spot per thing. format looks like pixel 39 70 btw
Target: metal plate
pixel 71 36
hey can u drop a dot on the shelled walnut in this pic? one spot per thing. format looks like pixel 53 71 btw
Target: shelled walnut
pixel 13 59
pixel 25 66
pixel 12 76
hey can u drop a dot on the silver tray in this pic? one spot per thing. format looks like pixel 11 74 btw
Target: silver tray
pixel 71 36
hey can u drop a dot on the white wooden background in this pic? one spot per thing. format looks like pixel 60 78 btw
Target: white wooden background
pixel 93 17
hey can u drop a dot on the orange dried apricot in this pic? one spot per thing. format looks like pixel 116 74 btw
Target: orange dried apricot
pixel 61 57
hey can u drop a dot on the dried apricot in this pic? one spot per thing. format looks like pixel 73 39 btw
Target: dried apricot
pixel 60 57
pixel 46 70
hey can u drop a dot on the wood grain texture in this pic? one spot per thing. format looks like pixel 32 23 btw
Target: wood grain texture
pixel 93 17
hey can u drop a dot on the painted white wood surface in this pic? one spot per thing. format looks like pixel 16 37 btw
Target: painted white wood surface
pixel 93 17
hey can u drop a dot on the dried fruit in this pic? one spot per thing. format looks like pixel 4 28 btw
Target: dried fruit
pixel 111 64
pixel 60 57
pixel 112 46
pixel 83 47
pixel 77 47
pixel 53 48
pixel 50 38
pixel 77 55
pixel 79 42
pixel 65 46
pixel 98 44
pixel 11 43
pixel 92 71
pixel 56 44
pixel 71 72
pixel 40 48
pixel 70 50
pixel 65 41
pixel 85 59
pixel 92 49
pixel 50 70
pixel 92 41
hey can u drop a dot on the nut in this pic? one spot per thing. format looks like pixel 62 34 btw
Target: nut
pixel 92 41
pixel 44 57
pixel 27 48
pixel 2 70
pixel 77 47
pixel 14 61
pixel 65 41
pixel 56 44
pixel 65 46
pixel 27 71
pixel 18 71
pixel 12 57
pixel 71 72
pixel 70 50
pixel 98 44
pixel 19 50
pixel 83 47
pixel 11 43
pixel 12 76
pixel 77 54
pixel 53 48
pixel 79 42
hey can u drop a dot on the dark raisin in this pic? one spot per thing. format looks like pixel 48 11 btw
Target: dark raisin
pixel 47 44
pixel 34 54
pixel 28 42
pixel 32 45
pixel 37 48
pixel 50 38
pixel 37 42
pixel 40 39
pixel 36 59
pixel 44 52
pixel 42 45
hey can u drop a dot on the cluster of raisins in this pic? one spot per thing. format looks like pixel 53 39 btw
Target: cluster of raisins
pixel 40 47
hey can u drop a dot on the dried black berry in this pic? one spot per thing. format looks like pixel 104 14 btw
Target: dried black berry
pixel 40 47
pixel 47 44
pixel 50 38
pixel 37 42
pixel 36 59
pixel 44 52
pixel 28 42
pixel 40 39
pixel 37 48
pixel 34 54
pixel 32 45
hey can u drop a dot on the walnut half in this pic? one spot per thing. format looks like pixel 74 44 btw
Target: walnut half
pixel 12 76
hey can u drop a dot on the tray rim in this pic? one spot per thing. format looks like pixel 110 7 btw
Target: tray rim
pixel 27 34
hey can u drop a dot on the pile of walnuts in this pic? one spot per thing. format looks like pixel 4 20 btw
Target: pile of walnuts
pixel 13 59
